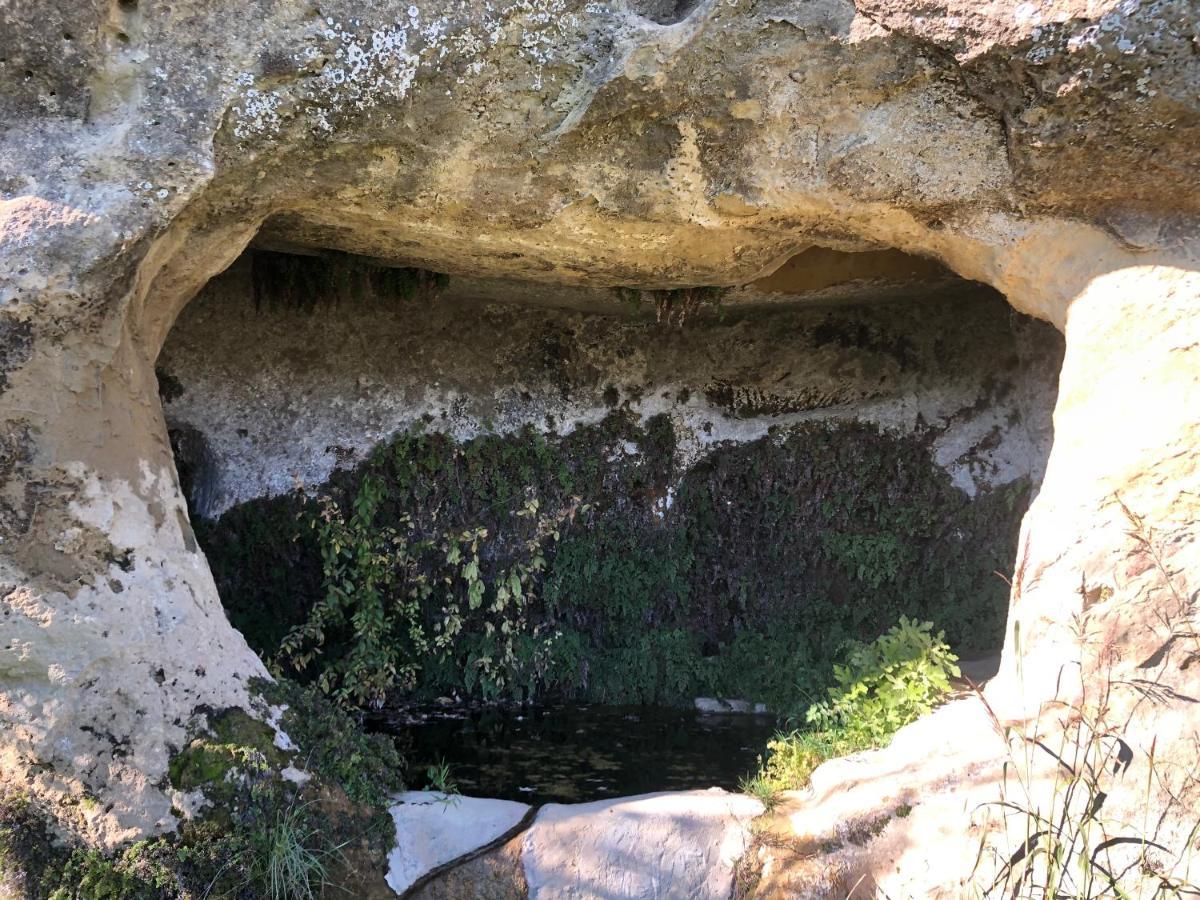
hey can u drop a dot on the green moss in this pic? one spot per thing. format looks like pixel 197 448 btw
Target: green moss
pixel 26 847
pixel 198 861
pixel 368 767
pixel 89 875
pixel 224 860
pixel 337 818
pixel 235 750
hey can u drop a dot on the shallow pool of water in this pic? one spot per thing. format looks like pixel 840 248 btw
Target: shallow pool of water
pixel 572 754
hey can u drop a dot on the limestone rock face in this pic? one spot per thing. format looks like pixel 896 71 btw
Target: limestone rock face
pixel 1044 149
pixel 681 844
pixel 278 396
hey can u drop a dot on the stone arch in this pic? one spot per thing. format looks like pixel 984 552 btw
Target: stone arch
pixel 628 172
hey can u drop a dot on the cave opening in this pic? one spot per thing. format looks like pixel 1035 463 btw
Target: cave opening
pixel 416 488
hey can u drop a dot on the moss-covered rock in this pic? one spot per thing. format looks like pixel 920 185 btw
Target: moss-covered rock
pixel 367 767
pixel 26 845
pixel 232 743
pixel 254 815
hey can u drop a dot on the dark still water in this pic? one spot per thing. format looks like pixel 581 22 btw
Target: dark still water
pixel 573 754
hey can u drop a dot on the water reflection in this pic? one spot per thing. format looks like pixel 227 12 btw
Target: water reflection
pixel 571 754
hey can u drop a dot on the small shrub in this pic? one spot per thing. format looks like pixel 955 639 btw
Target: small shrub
pixel 201 860
pixel 791 759
pixel 886 684
pixel 881 687
pixel 397 598
pixel 368 767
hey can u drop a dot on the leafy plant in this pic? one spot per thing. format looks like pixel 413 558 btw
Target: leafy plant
pixel 887 683
pixel 373 587
pixel 791 758
pixel 441 780
pixel 395 597
pixel 880 687
pixel 634 582
pixel 486 628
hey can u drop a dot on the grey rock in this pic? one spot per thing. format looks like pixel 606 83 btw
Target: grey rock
pixel 433 829
pixel 670 845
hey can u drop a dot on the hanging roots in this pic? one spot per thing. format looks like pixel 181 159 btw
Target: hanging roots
pixel 674 307
pixel 290 281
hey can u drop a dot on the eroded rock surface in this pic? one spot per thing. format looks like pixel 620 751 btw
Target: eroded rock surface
pixel 283 395
pixel 1044 149
pixel 681 844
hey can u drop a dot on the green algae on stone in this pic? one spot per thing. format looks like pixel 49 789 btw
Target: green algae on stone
pixel 236 742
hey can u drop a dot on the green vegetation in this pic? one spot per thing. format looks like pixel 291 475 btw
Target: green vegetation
pixel 26 848
pixel 880 687
pixel 234 742
pixel 531 566
pixel 293 281
pixel 1052 831
pixel 1062 842
pixel 336 749
pixel 791 758
pixel 439 778
pixel 886 684
pixel 288 860
pixel 280 854
pixel 673 307
pixel 262 836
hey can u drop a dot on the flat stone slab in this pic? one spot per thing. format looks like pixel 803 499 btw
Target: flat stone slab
pixel 679 844
pixel 433 829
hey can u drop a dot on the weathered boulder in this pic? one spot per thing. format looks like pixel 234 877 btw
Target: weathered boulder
pixel 681 844
pixel 434 829
pixel 676 844
pixel 1044 149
